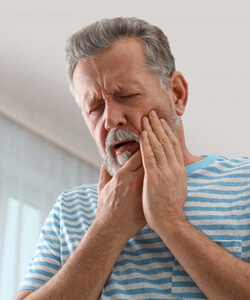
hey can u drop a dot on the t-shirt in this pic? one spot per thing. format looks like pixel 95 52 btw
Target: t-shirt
pixel 218 203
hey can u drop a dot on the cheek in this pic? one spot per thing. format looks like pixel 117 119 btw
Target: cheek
pixel 96 131
pixel 159 108
pixel 135 120
pixel 163 110
pixel 99 134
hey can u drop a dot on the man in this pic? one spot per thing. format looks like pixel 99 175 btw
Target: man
pixel 165 224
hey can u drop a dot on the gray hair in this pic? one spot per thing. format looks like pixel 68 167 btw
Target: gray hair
pixel 92 39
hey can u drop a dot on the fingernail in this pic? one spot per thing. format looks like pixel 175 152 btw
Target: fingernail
pixel 163 121
pixel 144 134
pixel 145 120
pixel 153 114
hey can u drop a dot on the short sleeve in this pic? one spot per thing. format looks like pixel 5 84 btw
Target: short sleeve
pixel 47 259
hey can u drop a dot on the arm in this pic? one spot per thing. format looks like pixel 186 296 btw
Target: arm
pixel 86 271
pixel 218 273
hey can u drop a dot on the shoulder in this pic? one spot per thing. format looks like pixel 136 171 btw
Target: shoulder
pixel 81 191
pixel 239 163
pixel 75 208
pixel 234 170
pixel 222 168
pixel 84 194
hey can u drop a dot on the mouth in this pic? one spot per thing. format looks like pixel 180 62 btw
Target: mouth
pixel 125 145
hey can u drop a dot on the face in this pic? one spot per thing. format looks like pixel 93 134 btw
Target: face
pixel 116 90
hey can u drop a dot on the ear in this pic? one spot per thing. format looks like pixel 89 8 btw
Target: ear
pixel 179 90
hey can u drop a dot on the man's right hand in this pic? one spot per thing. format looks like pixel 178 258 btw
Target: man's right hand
pixel 120 199
pixel 119 217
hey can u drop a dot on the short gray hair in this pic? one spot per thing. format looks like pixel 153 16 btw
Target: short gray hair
pixel 92 39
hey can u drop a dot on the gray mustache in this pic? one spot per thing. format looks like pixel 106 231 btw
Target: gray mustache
pixel 119 135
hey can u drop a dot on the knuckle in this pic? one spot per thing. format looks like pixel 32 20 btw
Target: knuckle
pixel 155 125
pixel 150 156
pixel 164 140
pixel 175 143
pixel 157 147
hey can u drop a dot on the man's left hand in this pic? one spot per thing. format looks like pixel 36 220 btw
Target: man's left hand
pixel 165 179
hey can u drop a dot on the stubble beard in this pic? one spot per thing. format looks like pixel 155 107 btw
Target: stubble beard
pixel 112 162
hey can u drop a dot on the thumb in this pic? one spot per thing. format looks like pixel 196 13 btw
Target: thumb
pixel 134 162
pixel 104 178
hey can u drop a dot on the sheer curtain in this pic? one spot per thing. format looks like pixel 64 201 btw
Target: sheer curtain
pixel 33 172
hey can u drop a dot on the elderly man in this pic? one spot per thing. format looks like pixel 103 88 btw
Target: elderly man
pixel 165 224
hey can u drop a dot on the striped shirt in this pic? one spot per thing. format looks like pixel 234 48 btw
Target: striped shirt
pixel 218 204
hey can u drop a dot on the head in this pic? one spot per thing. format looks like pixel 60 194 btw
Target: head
pixel 113 65
pixel 91 40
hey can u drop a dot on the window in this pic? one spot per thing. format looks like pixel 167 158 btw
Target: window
pixel 33 173
pixel 22 226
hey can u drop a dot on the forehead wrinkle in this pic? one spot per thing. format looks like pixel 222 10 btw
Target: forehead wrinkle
pixel 115 76
pixel 89 95
pixel 92 78
pixel 121 86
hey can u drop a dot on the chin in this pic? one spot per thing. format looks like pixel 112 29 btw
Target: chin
pixel 114 164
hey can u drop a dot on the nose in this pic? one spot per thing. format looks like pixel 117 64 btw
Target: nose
pixel 115 116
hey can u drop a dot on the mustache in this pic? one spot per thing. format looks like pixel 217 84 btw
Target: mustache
pixel 120 135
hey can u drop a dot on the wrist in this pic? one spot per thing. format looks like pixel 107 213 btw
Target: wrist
pixel 109 232
pixel 172 225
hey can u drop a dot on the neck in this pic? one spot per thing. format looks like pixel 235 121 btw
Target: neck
pixel 187 156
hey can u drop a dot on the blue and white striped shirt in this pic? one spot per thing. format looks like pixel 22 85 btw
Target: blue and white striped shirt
pixel 218 204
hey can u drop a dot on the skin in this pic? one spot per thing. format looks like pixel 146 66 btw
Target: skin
pixel 103 84
pixel 202 259
pixel 151 187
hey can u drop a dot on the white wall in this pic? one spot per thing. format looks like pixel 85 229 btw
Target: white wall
pixel 210 40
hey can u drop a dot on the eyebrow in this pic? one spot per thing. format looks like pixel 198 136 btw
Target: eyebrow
pixel 89 98
pixel 132 84
pixel 92 97
pixel 88 101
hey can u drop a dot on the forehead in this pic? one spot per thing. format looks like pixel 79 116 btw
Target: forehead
pixel 118 66
pixel 125 53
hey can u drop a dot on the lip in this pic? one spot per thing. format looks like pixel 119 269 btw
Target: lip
pixel 122 141
pixel 131 145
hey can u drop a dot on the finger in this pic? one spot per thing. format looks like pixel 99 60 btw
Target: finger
pixel 140 171
pixel 133 163
pixel 104 178
pixel 162 137
pixel 140 174
pixel 174 141
pixel 148 158
pixel 156 146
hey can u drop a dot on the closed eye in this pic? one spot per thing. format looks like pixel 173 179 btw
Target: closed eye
pixel 96 108
pixel 128 96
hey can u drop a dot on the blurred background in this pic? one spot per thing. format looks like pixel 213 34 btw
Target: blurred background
pixel 45 147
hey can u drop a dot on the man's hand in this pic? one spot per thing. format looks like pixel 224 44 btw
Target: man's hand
pixel 119 217
pixel 165 179
pixel 120 199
